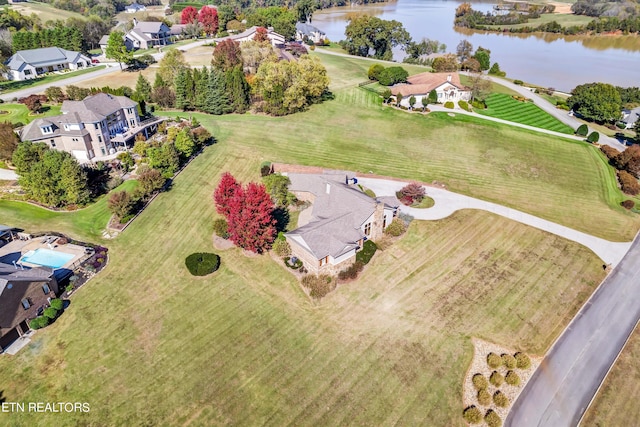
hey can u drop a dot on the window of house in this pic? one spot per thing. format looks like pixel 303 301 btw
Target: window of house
pixel 132 122
pixel 27 72
pixel 103 152
pixel 26 303
pixel 46 129
pixel 99 138
pixel 53 143
pixel 95 126
pixel 367 229
pixel 46 289
pixel 324 260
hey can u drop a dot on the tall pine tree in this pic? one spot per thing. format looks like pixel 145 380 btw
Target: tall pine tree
pixel 143 88
pixel 201 83
pixel 182 97
pixel 217 101
pixel 237 89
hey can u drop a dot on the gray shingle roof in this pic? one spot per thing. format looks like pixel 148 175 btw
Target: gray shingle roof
pixel 307 29
pixel 104 40
pixel 151 27
pixel 100 105
pixel 43 57
pixel 8 273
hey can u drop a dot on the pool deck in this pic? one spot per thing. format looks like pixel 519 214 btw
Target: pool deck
pixel 14 250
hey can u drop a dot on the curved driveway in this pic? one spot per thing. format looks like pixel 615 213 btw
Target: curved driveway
pixel 447 202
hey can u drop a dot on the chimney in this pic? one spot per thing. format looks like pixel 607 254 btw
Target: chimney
pixel 328 190
pixel 449 78
pixel 135 22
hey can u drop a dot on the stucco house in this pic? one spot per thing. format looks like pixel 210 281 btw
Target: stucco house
pixel 309 32
pixel 32 63
pixel 135 7
pixel 446 85
pixel 22 292
pixel 95 126
pixel 341 217
pixel 276 39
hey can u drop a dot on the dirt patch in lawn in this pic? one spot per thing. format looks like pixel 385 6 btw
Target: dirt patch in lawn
pixel 222 244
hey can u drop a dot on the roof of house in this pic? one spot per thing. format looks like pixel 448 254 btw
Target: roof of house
pixel 307 29
pixel 176 29
pixel 338 212
pixel 137 33
pixel 151 27
pixel 631 116
pixel 100 104
pixel 43 57
pixel 424 83
pixel 135 6
pixel 249 31
pixel 104 40
pixel 9 273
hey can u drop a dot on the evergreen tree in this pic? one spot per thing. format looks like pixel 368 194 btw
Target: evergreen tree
pixel 201 84
pixel 182 98
pixel 159 82
pixel 143 89
pixel 237 89
pixel 217 101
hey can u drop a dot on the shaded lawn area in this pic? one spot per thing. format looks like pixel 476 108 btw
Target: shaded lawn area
pixel 246 346
pixel 19 113
pixel 13 85
pixel 505 107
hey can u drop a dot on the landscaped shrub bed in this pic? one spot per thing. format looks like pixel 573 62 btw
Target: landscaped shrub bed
pixel 512 378
pixel 352 271
pixel 220 227
pixel 318 286
pixel 411 193
pixel 464 105
pixel 508 361
pixel 98 260
pixel 494 361
pixel 292 262
pixel 448 104
pixel 496 378
pixel 396 228
pixel 484 398
pixel 522 361
pixel 368 249
pixel 492 419
pixel 480 382
pixel 472 415
pixel 202 263
pixel 500 399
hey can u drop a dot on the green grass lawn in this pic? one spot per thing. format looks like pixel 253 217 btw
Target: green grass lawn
pixel 44 11
pixel 14 85
pixel 564 19
pixel 19 113
pixel 505 107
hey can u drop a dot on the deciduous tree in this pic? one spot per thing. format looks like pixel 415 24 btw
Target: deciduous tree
pixel 120 204
pixel 261 35
pixel 225 193
pixel 445 63
pixel 464 50
pixel 227 55
pixel 208 17
pixel 172 62
pixel 600 102
pixel 366 34
pixel 117 50
pixel 8 141
pixel 54 94
pixel 189 14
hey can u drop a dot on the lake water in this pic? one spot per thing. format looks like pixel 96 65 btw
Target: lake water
pixel 544 59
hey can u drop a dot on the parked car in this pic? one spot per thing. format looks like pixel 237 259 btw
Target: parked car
pixel 95 61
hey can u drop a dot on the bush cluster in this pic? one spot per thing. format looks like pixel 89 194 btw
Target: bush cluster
pixel 518 82
pixel 609 151
pixel 628 204
pixel 352 271
pixel 411 193
pixel 480 382
pixel 202 263
pixel 484 398
pixel 296 265
pixel 583 130
pixel 472 415
pixel 593 137
pixel 39 322
pixel 368 249
pixel 479 104
pixel 500 399
pixel 464 105
pixel 508 361
pixel 496 378
pixel 492 419
pixel 512 378
pixel 448 104
pixel 281 247
pixel 318 286
pixel 522 361
pixel 628 183
pixel 494 361
pixel 220 227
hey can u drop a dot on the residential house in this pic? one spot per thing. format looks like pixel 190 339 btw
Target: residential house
pixel 95 126
pixel 630 117
pixel 23 291
pixel 338 222
pixel 446 85
pixel 276 39
pixel 306 32
pixel 135 7
pixel 145 35
pixel 32 63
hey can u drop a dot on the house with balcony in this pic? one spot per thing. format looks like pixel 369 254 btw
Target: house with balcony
pixel 33 63
pixel 145 35
pixel 306 32
pixel 97 126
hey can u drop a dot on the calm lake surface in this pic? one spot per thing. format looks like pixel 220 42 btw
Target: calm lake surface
pixel 544 59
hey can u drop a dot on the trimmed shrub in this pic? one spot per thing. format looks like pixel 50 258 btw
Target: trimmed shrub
pixel 370 193
pixel 374 71
pixel 410 193
pixel 281 248
pixel 593 137
pixel 464 105
pixel 448 104
pixel 480 382
pixel 628 204
pixel 628 183
pixel 220 227
pixel 508 361
pixel 500 399
pixel 582 130
pixel 472 415
pixel 50 313
pixel 484 398
pixel 392 75
pixel 518 82
pixel 609 151
pixel 265 169
pixel 522 360
pixel 496 378
pixel 368 249
pixel 39 322
pixel 494 361
pixel 512 378
pixel 396 228
pixel 479 104
pixel 352 271
pixel 57 304
pixel 492 419
pixel 295 265
pixel 202 263
pixel 318 286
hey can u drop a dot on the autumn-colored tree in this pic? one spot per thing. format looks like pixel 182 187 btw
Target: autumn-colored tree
pixel 33 103
pixel 189 14
pixel 225 193
pixel 261 34
pixel 251 222
pixel 120 204
pixel 8 140
pixel 149 180
pixel 208 18
pixel 412 192
pixel 227 55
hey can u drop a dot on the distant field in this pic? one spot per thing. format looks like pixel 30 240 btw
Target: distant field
pixel 505 107
pixel 199 56
pixel 120 78
pixel 20 113
pixel 564 19
pixel 44 11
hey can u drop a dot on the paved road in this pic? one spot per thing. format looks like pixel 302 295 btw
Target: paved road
pixel 567 380
pixel 447 202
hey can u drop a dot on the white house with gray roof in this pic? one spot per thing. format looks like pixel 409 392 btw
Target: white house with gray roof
pixel 145 35
pixel 309 32
pixel 32 63
pixel 92 127
pixel 340 219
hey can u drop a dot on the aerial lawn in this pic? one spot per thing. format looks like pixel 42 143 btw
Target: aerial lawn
pixel 19 113
pixel 564 19
pixel 245 346
pixel 45 11
pixel 505 107
pixel 14 85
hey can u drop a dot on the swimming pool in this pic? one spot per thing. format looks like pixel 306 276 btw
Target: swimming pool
pixel 47 258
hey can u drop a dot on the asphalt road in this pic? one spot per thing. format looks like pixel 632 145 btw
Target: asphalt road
pixel 567 380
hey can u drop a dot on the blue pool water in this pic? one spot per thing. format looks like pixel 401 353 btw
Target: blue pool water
pixel 47 258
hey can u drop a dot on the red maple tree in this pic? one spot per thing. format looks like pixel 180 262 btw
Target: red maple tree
pixel 261 34
pixel 189 14
pixel 208 17
pixel 226 191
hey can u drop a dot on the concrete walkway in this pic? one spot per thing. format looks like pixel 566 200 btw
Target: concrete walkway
pixel 571 373
pixel 7 175
pixel 447 202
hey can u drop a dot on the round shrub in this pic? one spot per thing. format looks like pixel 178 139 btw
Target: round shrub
pixel 484 398
pixel 582 130
pixel 496 378
pixel 464 105
pixel 522 361
pixel 593 137
pixel 281 247
pixel 480 382
pixel 202 263
pixel 448 104
pixel 518 82
pixel 492 419
pixel 220 227
pixel 500 399
pixel 396 228
pixel 508 361
pixel 512 378
pixel 628 204
pixel 494 361
pixel 57 304
pixel 50 313
pixel 38 322
pixel 472 415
